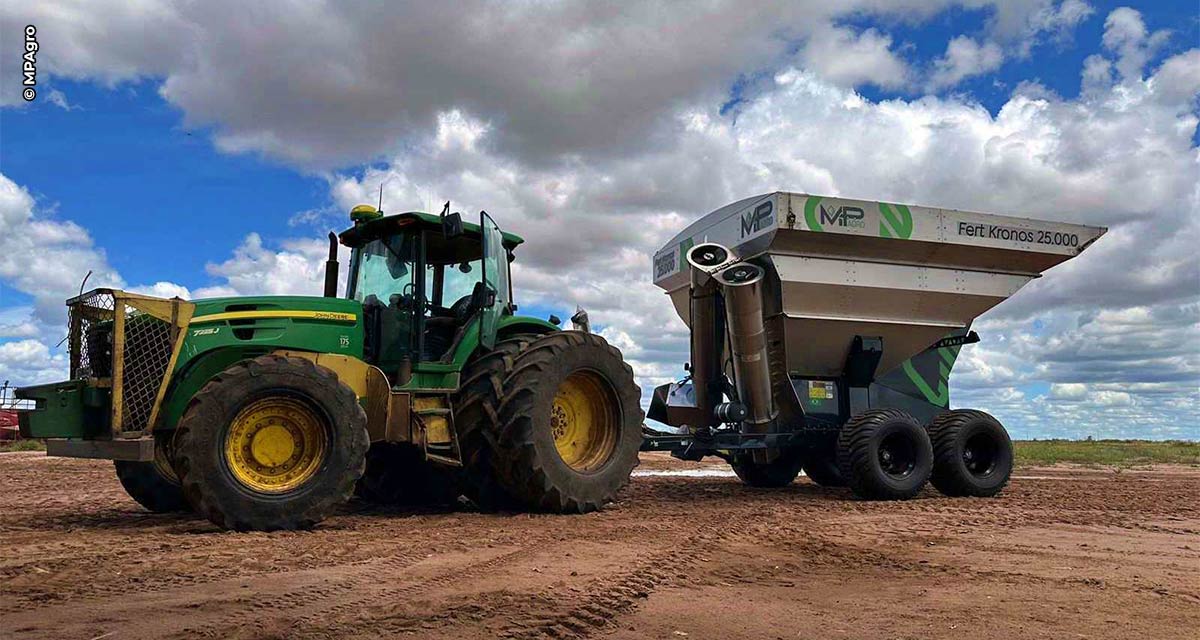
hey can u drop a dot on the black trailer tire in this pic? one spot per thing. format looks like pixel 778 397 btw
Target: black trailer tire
pixel 821 465
pixel 777 473
pixel 296 396
pixel 398 474
pixel 570 424
pixel 972 454
pixel 885 454
pixel 154 485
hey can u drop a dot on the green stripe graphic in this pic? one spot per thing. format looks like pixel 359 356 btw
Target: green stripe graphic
pixel 895 223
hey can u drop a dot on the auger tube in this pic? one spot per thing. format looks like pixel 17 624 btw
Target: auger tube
pixel 742 286
pixel 707 333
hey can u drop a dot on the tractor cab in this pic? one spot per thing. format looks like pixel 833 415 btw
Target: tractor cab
pixel 425 282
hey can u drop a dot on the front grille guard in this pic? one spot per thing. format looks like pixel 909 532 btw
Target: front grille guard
pixel 128 342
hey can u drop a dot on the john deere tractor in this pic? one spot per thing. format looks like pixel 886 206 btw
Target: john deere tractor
pixel 419 385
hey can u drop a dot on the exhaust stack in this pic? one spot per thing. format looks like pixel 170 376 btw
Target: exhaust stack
pixel 707 335
pixel 331 267
pixel 742 284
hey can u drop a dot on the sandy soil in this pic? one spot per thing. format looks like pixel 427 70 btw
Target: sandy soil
pixel 1064 553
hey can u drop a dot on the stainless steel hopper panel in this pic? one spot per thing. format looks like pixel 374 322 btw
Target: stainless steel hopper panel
pixel 908 274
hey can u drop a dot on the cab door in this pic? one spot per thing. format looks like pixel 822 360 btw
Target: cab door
pixel 495 279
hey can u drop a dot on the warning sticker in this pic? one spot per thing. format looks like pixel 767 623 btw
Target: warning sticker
pixel 818 390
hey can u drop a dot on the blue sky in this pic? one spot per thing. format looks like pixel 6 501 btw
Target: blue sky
pixel 201 159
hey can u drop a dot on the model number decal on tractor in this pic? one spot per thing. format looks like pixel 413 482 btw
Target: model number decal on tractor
pixel 1035 236
pixel 205 332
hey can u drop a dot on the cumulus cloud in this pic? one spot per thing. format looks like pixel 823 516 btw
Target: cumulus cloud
pixel 44 257
pixel 964 58
pixel 854 59
pixel 1125 34
pixel 30 361
pixel 323 85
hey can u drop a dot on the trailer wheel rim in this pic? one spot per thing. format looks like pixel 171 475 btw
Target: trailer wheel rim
pixel 276 445
pixel 583 421
pixel 897 455
pixel 980 454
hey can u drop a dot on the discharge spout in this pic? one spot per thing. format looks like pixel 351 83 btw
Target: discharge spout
pixel 742 286
pixel 708 332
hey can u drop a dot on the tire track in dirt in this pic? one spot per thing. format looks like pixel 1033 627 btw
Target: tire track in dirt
pixel 346 597
pixel 267 601
pixel 165 584
pixel 109 602
pixel 609 598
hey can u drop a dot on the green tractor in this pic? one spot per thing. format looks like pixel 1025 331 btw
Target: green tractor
pixel 420 385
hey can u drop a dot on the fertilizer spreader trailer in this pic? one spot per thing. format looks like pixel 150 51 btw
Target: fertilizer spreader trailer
pixel 823 332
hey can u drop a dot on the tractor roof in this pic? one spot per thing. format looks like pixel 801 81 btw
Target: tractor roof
pixel 386 225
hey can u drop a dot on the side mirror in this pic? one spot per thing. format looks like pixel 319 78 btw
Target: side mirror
pixel 452 225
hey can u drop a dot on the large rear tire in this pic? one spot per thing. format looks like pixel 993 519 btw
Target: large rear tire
pixel 570 424
pixel 779 472
pixel 972 454
pixel 271 443
pixel 885 454
pixel 398 474
pixel 154 485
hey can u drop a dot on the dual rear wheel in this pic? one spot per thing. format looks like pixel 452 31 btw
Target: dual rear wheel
pixel 885 454
pixel 548 423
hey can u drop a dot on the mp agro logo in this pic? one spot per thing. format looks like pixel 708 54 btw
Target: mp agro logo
pixel 844 216
pixel 757 219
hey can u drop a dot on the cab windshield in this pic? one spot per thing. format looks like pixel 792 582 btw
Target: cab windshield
pixel 385 270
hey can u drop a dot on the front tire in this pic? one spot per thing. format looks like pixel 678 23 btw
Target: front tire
pixel 885 454
pixel 972 454
pixel 154 485
pixel 271 443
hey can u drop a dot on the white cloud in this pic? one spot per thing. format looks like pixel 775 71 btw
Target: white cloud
pixel 30 361
pixel 323 85
pixel 1057 21
pixel 1126 35
pixel 46 258
pixel 254 269
pixel 964 58
pixel 853 59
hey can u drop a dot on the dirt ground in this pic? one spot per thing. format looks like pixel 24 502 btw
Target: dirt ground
pixel 1064 553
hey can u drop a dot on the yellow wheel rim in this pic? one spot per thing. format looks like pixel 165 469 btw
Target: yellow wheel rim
pixel 584 421
pixel 275 445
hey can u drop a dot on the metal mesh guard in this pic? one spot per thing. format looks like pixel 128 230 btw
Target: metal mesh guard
pixel 147 354
pixel 91 335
